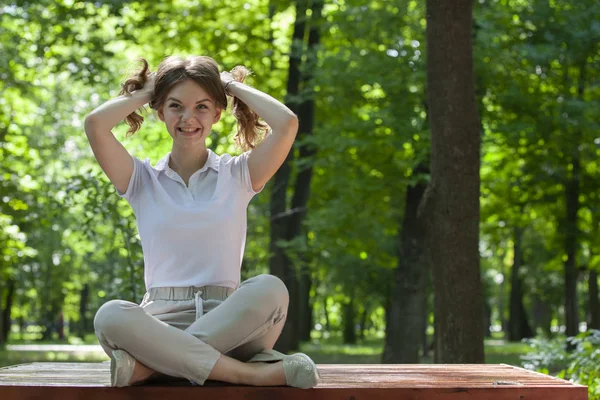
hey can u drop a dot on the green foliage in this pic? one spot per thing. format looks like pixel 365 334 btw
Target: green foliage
pixel 63 229
pixel 585 362
pixel 581 365
pixel 547 355
pixel 536 91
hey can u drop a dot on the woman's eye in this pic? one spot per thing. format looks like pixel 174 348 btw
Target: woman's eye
pixel 177 105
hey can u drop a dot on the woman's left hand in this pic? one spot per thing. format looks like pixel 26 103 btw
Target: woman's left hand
pixel 226 77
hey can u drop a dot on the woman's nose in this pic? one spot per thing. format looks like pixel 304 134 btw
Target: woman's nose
pixel 187 115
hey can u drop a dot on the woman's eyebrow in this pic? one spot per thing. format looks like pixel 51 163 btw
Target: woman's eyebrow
pixel 174 99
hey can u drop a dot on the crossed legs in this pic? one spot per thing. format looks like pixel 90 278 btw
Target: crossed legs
pixel 250 320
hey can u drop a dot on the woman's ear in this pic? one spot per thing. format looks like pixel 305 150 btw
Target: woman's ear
pixel 161 115
pixel 217 115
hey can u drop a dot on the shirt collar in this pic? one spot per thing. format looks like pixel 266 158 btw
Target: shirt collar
pixel 211 162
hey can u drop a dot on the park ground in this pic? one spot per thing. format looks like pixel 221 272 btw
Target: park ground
pixel 324 351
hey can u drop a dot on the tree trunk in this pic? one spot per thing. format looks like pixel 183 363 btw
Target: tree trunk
pixel 48 310
pixel 501 295
pixel 404 332
pixel 451 202
pixel 326 312
pixel 21 323
pixel 305 313
pixel 299 296
pixel 83 306
pixel 279 265
pixel 2 336
pixel 572 190
pixel 594 321
pixel 388 309
pixel 571 245
pixel 518 326
pixel 425 319
pixel 306 154
pixel 349 321
pixel 487 319
pixel 48 324
pixel 7 311
pixel 364 317
pixel 542 315
pixel 60 325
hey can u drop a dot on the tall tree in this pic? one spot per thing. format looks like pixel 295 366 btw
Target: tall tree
pixel 594 302
pixel 407 313
pixel 306 153
pixel 518 324
pixel 451 201
pixel 279 263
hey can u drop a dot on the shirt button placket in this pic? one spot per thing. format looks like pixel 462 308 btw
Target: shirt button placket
pixel 190 191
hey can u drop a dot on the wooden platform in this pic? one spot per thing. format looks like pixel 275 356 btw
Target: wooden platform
pixel 90 381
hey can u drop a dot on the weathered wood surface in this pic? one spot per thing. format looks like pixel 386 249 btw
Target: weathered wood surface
pixel 378 382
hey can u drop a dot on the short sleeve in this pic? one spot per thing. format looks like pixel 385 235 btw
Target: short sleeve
pixel 241 173
pixel 135 182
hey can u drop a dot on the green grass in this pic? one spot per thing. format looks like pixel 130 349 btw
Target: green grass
pixel 23 357
pixel 501 352
pixel 8 357
pixel 330 351
pixel 33 338
pixel 333 352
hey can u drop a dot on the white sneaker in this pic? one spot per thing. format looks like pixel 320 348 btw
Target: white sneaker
pixel 121 368
pixel 300 371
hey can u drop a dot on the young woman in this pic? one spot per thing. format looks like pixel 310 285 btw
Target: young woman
pixel 196 321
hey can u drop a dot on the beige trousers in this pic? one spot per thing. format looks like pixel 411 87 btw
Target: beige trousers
pixel 182 331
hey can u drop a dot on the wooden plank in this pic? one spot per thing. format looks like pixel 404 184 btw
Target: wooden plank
pixel 284 393
pixel 377 382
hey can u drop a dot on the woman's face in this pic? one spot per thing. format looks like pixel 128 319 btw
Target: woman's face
pixel 189 113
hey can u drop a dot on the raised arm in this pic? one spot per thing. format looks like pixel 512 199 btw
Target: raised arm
pixel 269 154
pixel 114 159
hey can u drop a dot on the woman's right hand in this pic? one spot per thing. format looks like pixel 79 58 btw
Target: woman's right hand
pixel 149 85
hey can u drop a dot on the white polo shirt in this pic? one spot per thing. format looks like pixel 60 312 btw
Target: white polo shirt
pixel 192 235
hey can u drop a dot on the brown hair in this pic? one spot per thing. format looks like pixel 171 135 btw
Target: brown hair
pixel 205 72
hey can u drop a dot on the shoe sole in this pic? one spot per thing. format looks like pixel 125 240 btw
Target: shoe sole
pixel 117 358
pixel 113 370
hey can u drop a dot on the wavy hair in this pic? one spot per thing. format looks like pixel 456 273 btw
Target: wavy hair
pixel 205 72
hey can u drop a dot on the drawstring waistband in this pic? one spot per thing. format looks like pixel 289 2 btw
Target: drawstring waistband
pixel 198 294
pixel 199 305
pixel 189 293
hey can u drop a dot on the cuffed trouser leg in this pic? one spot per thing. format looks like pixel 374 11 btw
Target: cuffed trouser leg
pixel 248 321
pixel 124 325
pixel 245 323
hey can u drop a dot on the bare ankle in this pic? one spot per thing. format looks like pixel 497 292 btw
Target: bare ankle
pixel 268 374
pixel 141 373
pixel 250 374
pixel 227 369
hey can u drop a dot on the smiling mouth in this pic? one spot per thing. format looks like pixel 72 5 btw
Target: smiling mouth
pixel 187 131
